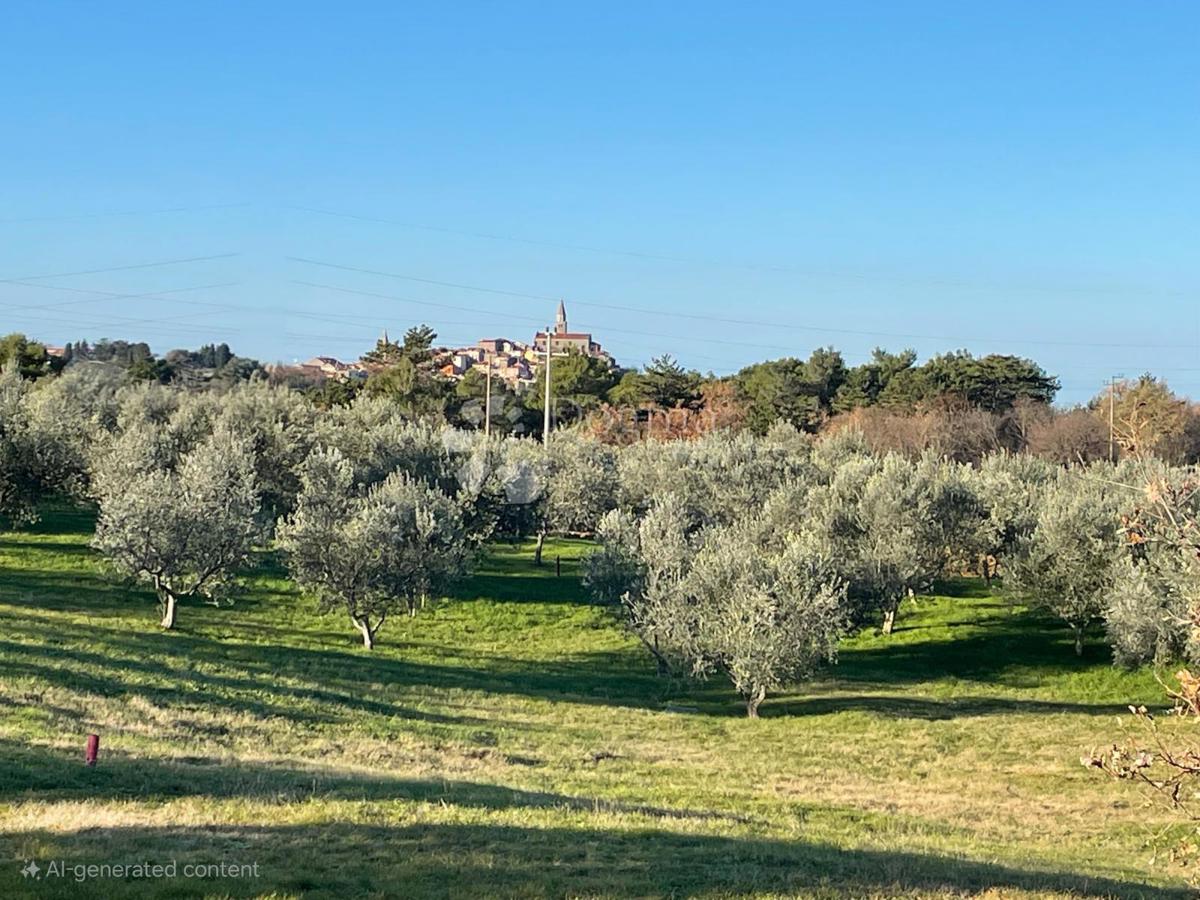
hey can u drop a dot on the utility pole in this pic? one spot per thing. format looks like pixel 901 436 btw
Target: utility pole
pixel 546 418
pixel 1112 410
pixel 487 402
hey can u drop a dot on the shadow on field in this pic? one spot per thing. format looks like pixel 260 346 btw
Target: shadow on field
pixel 480 860
pixel 305 684
pixel 507 574
pixel 173 680
pixel 903 707
pixel 48 774
pixel 244 660
pixel 995 647
pixel 316 685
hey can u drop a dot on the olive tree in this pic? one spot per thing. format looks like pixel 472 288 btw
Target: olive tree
pixel 279 425
pixel 639 565
pixel 184 525
pixel 899 550
pixel 957 520
pixel 580 484
pixel 371 551
pixel 1068 564
pixel 887 525
pixel 377 439
pixel 521 479
pixel 721 600
pixel 45 433
pixel 762 619
pixel 1152 606
pixel 718 477
pixel 19 489
pixel 1008 486
pixel 1147 612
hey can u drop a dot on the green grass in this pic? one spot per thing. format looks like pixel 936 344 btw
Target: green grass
pixel 515 742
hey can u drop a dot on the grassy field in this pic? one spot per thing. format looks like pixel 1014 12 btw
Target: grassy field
pixel 515 742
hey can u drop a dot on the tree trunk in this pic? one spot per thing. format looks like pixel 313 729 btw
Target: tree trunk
pixel 889 620
pixel 364 627
pixel 663 668
pixel 537 551
pixel 1078 639
pixel 169 607
pixel 753 701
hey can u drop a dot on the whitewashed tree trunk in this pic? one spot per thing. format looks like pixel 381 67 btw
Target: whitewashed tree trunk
pixel 169 608
pixel 364 627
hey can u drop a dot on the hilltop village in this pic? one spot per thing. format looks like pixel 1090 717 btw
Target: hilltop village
pixel 513 362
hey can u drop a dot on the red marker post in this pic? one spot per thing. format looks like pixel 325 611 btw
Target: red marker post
pixel 93 750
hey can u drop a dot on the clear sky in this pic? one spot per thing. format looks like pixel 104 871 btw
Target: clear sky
pixel 1004 177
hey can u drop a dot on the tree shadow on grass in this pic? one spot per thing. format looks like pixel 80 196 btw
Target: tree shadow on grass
pixel 512 588
pixel 168 680
pixel 46 774
pixel 61 516
pixel 319 685
pixel 337 859
pixel 1022 641
pixel 913 707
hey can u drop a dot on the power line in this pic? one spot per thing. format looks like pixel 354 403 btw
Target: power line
pixel 330 287
pixel 729 321
pixel 149 265
pixel 110 295
pixel 134 212
pixel 538 243
pixel 120 321
pixel 844 274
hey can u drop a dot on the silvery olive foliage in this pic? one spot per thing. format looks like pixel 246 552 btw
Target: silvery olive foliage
pixel 1069 562
pixel 279 427
pixel 890 526
pixel 1153 606
pixel 520 489
pixel 721 600
pixel 763 618
pixel 376 438
pixel 718 477
pixel 46 431
pixel 371 550
pixel 639 565
pixel 899 547
pixel 1008 485
pixel 1147 613
pixel 19 486
pixel 184 525
pixel 1088 543
pixel 581 485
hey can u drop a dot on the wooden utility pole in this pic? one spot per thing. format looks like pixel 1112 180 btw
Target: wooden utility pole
pixel 546 416
pixel 487 402
pixel 1112 408
pixel 1112 417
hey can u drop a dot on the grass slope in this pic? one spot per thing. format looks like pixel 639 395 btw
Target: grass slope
pixel 515 742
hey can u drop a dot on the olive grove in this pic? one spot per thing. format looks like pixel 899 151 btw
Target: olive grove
pixel 710 549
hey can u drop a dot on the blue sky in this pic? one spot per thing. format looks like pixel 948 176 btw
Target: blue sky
pixel 1016 177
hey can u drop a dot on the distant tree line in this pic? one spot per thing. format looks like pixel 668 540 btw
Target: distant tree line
pixel 955 404
pixel 187 367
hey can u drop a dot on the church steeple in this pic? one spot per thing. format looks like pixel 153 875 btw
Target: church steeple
pixel 560 320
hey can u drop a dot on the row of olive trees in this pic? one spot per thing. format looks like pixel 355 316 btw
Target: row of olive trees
pixel 879 529
pixel 376 513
